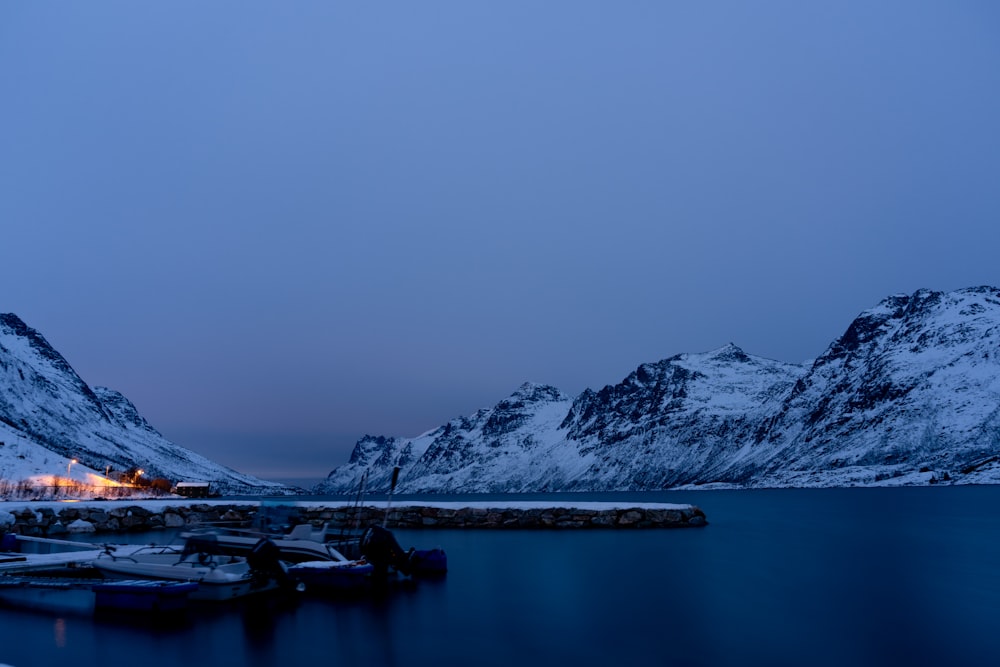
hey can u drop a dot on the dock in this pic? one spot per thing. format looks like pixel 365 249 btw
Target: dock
pixel 32 562
pixel 63 554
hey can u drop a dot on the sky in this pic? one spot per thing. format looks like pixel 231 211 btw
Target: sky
pixel 277 227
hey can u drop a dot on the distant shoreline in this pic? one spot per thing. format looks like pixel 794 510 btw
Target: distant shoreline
pixel 307 483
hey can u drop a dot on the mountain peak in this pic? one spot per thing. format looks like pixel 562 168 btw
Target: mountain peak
pixel 729 352
pixel 13 322
pixel 15 330
pixel 530 392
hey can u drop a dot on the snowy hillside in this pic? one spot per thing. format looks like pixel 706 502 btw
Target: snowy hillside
pixel 500 444
pixel 913 383
pixel 49 416
pixel 910 394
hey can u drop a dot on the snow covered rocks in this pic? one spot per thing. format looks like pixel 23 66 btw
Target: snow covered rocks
pixel 530 515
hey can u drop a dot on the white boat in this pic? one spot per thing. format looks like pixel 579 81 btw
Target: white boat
pixel 376 546
pixel 300 545
pixel 219 577
pixel 312 563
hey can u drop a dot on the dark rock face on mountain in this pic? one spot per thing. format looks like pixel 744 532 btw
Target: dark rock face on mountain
pixel 48 413
pixel 500 443
pixel 909 394
pixel 913 383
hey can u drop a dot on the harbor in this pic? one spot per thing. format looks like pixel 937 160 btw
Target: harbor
pixel 223 550
pixel 798 560
pixel 219 551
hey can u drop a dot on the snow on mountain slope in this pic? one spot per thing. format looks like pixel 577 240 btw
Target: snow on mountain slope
pixel 913 383
pixel 50 416
pixel 658 427
pixel 676 421
pixel 910 394
pixel 497 444
pixel 21 459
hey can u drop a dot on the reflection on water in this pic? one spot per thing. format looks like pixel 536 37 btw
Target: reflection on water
pixel 793 577
pixel 59 632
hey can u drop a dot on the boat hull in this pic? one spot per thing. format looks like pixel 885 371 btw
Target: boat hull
pixel 428 562
pixel 216 581
pixel 144 595
pixel 333 575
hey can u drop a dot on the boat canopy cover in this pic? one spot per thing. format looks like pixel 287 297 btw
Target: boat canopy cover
pixel 200 544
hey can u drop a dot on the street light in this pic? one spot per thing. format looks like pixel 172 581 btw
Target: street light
pixel 69 465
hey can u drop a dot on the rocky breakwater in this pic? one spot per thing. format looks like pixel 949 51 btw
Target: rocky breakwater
pixel 512 515
pixel 49 521
pixel 55 521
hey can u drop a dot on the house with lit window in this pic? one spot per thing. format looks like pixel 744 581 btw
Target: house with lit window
pixel 192 489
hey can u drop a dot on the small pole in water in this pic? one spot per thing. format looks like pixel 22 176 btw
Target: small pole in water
pixel 392 487
pixel 357 503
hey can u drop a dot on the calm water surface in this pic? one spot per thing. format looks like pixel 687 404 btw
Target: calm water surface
pixel 790 577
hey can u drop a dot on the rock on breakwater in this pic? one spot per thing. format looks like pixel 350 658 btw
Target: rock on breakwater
pixel 55 519
pixel 491 516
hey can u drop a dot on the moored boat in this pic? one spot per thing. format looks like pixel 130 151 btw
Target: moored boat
pixel 327 575
pixel 219 576
pixel 311 562
pixel 300 545
pixel 376 546
pixel 379 545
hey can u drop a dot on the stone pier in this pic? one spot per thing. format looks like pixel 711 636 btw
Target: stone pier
pixel 51 519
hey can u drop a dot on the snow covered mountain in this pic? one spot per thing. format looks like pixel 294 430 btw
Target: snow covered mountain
pixel 49 416
pixel 909 394
pixel 493 450
pixel 913 383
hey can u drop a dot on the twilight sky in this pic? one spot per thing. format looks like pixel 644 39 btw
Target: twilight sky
pixel 276 227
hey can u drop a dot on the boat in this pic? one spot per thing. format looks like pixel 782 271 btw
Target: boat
pixel 376 547
pixel 375 544
pixel 219 576
pixel 311 561
pixel 67 595
pixel 379 545
pixel 338 575
pixel 300 545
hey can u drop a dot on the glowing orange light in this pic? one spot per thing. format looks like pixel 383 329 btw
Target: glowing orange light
pixel 97 480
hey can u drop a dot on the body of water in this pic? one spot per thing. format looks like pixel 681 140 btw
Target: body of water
pixel 780 577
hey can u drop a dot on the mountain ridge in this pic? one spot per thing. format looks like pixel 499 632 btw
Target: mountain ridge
pixel 908 394
pixel 50 417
